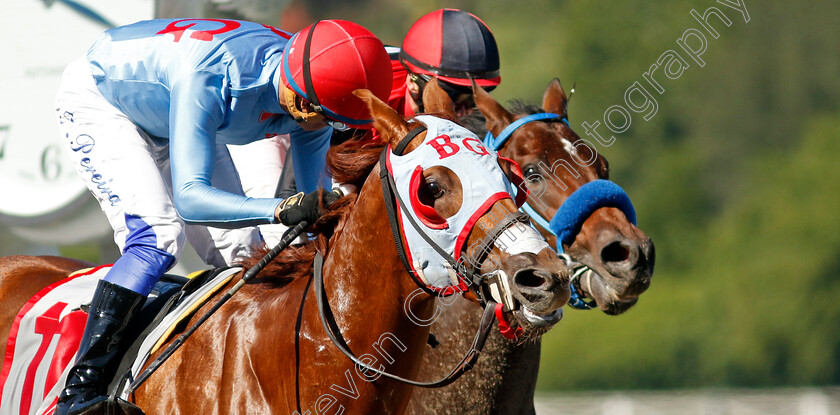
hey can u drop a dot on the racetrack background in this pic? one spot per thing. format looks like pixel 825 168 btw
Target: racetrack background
pixel 731 161
pixel 804 401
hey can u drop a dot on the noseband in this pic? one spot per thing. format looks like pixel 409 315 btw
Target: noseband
pixel 568 220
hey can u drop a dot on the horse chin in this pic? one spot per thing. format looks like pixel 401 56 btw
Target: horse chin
pixel 535 324
pixel 617 307
pixel 609 300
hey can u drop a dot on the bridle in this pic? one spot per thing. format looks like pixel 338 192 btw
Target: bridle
pixel 569 218
pixel 469 273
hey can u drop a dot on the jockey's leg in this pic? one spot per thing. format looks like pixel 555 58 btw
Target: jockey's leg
pixel 126 171
pixel 115 303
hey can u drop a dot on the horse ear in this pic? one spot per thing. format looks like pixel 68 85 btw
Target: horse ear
pixel 554 99
pixel 497 117
pixel 436 100
pixel 391 127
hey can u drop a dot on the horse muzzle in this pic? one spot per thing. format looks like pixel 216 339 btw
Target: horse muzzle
pixel 533 292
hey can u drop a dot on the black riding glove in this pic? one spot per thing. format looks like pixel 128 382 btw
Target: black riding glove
pixel 298 208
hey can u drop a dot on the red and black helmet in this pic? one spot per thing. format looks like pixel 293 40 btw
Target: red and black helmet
pixel 325 62
pixel 454 46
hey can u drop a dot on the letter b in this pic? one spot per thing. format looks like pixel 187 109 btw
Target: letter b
pixel 444 146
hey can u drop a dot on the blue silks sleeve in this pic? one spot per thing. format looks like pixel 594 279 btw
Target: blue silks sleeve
pixel 197 110
pixel 309 159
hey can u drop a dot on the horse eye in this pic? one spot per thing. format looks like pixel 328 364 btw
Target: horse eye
pixel 531 173
pixel 429 191
pixel 434 189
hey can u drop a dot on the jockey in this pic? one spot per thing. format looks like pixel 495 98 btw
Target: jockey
pixel 451 45
pixel 146 116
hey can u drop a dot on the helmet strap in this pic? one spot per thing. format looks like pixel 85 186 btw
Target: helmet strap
pixel 417 97
pixel 294 111
pixel 307 77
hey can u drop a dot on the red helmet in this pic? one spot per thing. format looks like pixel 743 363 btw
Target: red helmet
pixel 454 46
pixel 342 57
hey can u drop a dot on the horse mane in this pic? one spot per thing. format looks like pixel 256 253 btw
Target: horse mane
pixel 475 121
pixel 349 162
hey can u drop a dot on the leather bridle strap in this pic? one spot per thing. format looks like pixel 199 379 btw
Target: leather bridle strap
pixel 496 142
pixel 334 333
pixel 391 207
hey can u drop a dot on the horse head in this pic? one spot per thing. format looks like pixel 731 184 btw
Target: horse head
pixel 456 204
pixel 591 219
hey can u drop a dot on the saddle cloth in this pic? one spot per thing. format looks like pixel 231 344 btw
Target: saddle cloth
pixel 47 331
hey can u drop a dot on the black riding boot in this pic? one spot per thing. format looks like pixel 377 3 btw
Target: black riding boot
pixel 100 352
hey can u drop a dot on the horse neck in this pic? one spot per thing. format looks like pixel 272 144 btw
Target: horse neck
pixel 363 265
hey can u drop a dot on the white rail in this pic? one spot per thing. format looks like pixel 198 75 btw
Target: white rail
pixel 805 401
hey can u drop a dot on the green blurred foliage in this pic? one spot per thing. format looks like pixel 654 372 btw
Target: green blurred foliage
pixel 734 178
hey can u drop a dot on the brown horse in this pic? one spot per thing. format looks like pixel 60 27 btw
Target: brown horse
pixel 556 163
pixel 266 350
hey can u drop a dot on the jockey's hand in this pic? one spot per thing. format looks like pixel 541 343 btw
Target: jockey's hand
pixel 298 208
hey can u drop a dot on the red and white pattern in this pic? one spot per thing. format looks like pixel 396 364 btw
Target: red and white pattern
pixel 42 344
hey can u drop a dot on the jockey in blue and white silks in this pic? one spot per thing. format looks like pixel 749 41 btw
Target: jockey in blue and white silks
pixel 146 116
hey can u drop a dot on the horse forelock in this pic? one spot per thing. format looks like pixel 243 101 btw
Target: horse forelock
pixel 352 161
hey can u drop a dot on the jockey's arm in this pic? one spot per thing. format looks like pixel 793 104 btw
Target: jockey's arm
pixel 309 159
pixel 197 111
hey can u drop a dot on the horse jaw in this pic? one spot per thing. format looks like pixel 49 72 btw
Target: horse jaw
pixel 616 280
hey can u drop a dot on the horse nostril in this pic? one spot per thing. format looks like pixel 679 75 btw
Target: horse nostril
pixel 529 278
pixel 615 252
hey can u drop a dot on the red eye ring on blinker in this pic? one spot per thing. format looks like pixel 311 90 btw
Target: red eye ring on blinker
pixel 427 214
pixel 517 179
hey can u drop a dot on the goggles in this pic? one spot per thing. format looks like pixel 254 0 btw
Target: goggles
pixel 336 125
pixel 291 103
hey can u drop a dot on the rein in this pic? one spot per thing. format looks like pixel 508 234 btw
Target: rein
pixel 290 235
pixel 568 220
pixel 392 201
pixel 334 333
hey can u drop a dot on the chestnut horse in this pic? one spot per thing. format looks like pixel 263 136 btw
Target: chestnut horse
pixel 555 163
pixel 266 351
